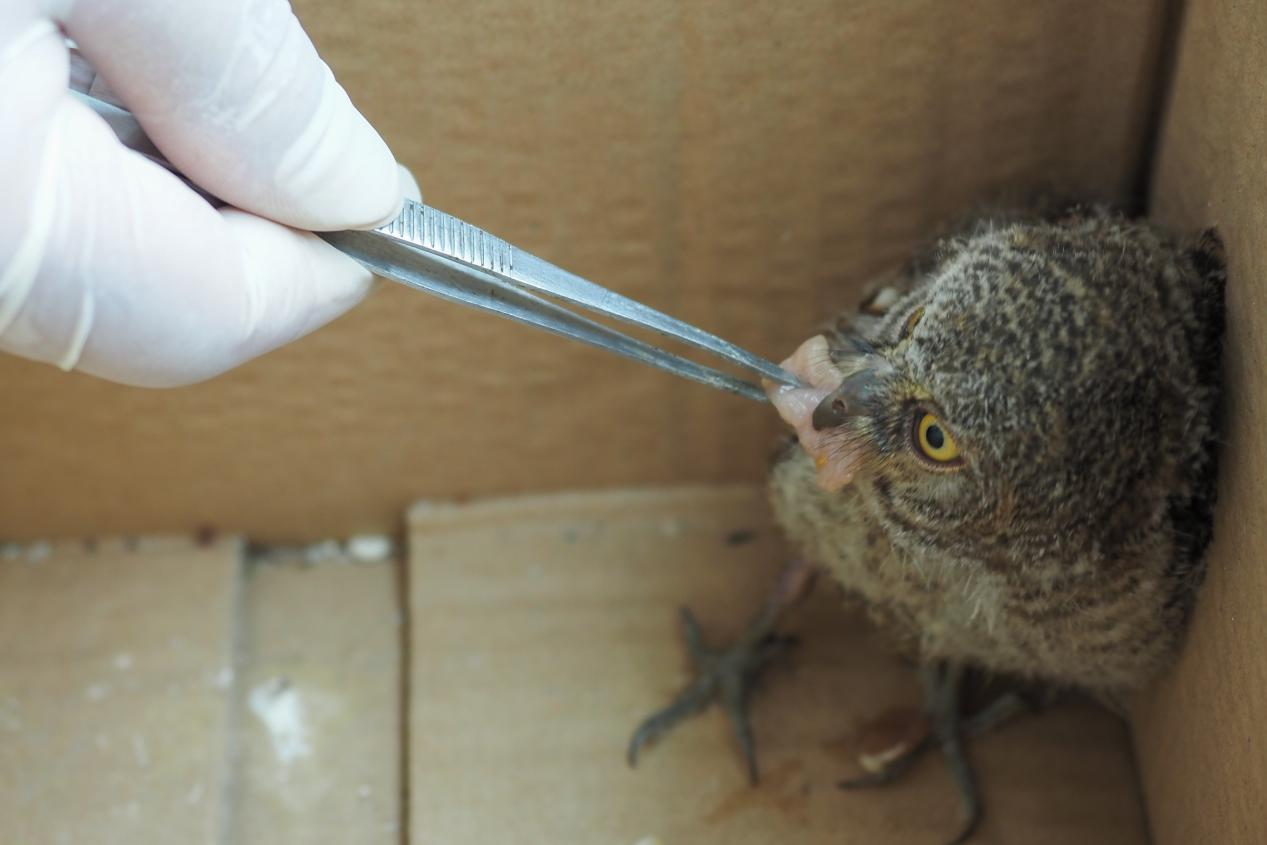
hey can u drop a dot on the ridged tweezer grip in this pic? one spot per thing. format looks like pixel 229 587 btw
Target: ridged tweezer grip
pixel 447 235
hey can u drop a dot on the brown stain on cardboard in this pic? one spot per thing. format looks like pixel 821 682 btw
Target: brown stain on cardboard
pixel 783 790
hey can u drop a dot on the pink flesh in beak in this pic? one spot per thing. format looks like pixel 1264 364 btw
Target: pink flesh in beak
pixel 836 457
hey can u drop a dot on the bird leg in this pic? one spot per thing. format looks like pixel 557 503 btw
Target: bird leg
pixel 727 675
pixel 943 681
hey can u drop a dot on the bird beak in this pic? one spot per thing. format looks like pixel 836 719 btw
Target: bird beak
pixel 852 398
pixel 836 392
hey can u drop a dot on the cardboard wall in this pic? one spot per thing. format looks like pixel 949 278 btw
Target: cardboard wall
pixel 1200 735
pixel 742 166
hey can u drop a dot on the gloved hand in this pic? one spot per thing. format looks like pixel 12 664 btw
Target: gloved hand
pixel 110 264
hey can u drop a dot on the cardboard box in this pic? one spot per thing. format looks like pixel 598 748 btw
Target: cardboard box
pixel 745 167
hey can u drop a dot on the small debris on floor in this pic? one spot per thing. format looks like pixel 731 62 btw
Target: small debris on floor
pixel 359 548
pixel 370 548
pixel 890 736
pixel 322 551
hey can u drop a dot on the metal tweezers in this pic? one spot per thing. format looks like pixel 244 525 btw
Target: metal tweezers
pixel 432 251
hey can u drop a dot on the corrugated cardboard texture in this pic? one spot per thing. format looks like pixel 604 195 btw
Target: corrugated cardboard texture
pixel 742 166
pixel 1201 735
pixel 115 675
pixel 544 628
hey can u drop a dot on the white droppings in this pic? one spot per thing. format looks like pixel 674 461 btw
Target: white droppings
pixel 38 551
pixel 324 550
pixel 96 692
pixel 370 548
pixel 649 840
pixel 364 791
pixel 122 661
pixel 278 705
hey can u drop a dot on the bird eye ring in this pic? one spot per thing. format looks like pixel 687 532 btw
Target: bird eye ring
pixel 933 440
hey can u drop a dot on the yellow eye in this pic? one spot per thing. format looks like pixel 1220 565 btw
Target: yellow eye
pixel 911 322
pixel 933 439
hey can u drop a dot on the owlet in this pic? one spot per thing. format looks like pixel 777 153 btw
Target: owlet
pixel 1008 454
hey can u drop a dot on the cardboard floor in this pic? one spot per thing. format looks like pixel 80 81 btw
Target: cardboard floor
pixel 543 628
pixel 168 691
pixel 165 691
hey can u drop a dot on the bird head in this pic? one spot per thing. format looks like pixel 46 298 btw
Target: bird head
pixel 1042 389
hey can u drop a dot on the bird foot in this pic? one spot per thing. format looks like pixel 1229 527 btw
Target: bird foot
pixel 727 676
pixel 947 728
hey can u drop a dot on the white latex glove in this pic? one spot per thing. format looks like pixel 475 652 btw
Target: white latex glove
pixel 110 264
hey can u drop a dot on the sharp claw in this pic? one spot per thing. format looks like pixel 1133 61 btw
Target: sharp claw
pixel 690 701
pixel 943 690
pixel 961 772
pixel 640 737
pixel 651 729
pixel 969 828
pixel 736 706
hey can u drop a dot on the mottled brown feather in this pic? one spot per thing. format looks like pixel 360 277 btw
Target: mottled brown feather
pixel 1075 356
